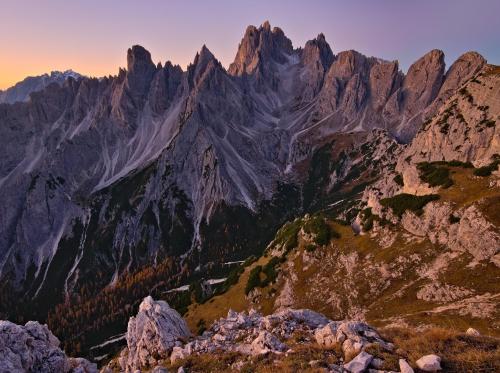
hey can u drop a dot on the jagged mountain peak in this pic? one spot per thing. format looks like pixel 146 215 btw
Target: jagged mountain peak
pixel 204 63
pixel 260 45
pixel 318 50
pixel 204 56
pixel 138 58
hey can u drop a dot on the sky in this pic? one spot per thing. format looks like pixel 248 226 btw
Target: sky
pixel 92 36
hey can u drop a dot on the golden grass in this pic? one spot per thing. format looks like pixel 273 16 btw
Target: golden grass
pixel 468 188
pixel 459 352
pixel 385 306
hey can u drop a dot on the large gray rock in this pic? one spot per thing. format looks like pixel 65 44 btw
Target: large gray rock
pixel 33 348
pixel 152 334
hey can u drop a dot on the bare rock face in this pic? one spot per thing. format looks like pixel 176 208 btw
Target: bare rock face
pixel 152 334
pixel 352 336
pixel 423 81
pixel 384 77
pixel 33 348
pixel 316 58
pixel 260 45
pixel 465 129
pixel 317 51
pixel 266 342
pixel 464 68
pixel 473 233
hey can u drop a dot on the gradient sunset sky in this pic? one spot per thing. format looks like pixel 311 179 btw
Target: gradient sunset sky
pixel 92 36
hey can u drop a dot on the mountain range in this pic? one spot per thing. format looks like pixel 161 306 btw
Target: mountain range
pixel 157 177
pixel 21 91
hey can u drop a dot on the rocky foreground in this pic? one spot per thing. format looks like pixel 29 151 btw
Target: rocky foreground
pixel 33 348
pixel 158 339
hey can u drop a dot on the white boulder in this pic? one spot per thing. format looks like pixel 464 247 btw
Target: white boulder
pixel 429 363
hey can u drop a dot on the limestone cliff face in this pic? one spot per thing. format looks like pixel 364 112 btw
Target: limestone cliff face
pixel 465 128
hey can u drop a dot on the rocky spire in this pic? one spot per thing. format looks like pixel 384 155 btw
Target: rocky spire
pixel 140 69
pixel 317 50
pixel 152 333
pixel 463 69
pixel 423 81
pixel 204 63
pixel 164 86
pixel 260 45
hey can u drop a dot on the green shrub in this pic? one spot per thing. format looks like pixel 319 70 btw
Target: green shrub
pixel 201 326
pixel 434 175
pixel 270 271
pixel 196 292
pixel 322 232
pixel 232 279
pixel 398 179
pixel 367 219
pixel 249 260
pixel 455 163
pixel 487 170
pixel 310 248
pixel 253 279
pixel 403 202
pixel 488 123
pixel 287 235
pixel 445 128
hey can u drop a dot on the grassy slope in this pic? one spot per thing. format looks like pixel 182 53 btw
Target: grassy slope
pixel 382 301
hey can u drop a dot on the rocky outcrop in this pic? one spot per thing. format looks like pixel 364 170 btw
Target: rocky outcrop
pixel 248 334
pixel 152 334
pixel 463 69
pixel 316 59
pixel 465 129
pixel 351 336
pixel 473 233
pixel 33 348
